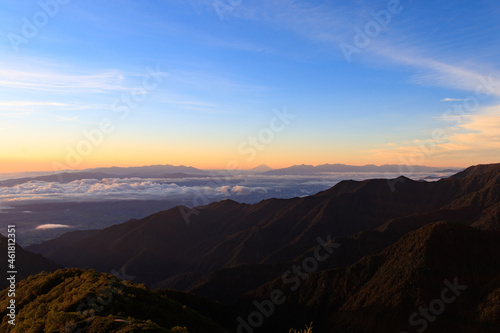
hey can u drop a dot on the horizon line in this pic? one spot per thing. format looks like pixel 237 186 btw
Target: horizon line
pixel 234 169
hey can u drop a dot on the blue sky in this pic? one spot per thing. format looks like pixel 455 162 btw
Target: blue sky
pixel 224 75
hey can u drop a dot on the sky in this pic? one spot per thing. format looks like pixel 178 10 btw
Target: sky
pixel 238 83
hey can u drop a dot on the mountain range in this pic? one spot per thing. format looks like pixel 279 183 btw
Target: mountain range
pixel 170 171
pixel 362 256
pixel 389 168
pixel 153 171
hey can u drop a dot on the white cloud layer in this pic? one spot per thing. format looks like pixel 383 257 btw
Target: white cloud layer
pixel 454 100
pixel 116 189
pixel 216 188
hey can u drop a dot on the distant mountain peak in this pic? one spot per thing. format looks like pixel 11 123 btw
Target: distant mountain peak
pixel 261 168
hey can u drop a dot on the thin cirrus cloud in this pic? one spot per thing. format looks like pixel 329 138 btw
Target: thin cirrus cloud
pixel 396 45
pixel 471 136
pixel 60 82
pixel 26 103
pixel 55 88
pixel 475 136
pixel 428 71
pixel 454 99
pixel 24 108
pixel 63 83
pixel 481 132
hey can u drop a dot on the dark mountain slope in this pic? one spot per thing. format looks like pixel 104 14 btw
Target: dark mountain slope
pixel 219 285
pixel 26 263
pixel 62 243
pixel 365 243
pixel 379 293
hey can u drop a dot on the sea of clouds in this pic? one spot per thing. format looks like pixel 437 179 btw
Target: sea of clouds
pixel 115 189
pixel 213 188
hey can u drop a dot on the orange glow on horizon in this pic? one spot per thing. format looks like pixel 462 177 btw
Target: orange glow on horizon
pixel 46 166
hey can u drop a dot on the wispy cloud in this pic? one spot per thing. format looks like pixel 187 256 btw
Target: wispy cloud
pixel 25 103
pixel 439 73
pixel 398 45
pixel 40 86
pixel 13 109
pixel 454 99
pixel 482 132
pixel 313 20
pixel 476 137
pixel 60 82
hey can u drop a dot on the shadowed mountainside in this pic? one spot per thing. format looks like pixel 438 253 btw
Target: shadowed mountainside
pixel 380 292
pixel 26 263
